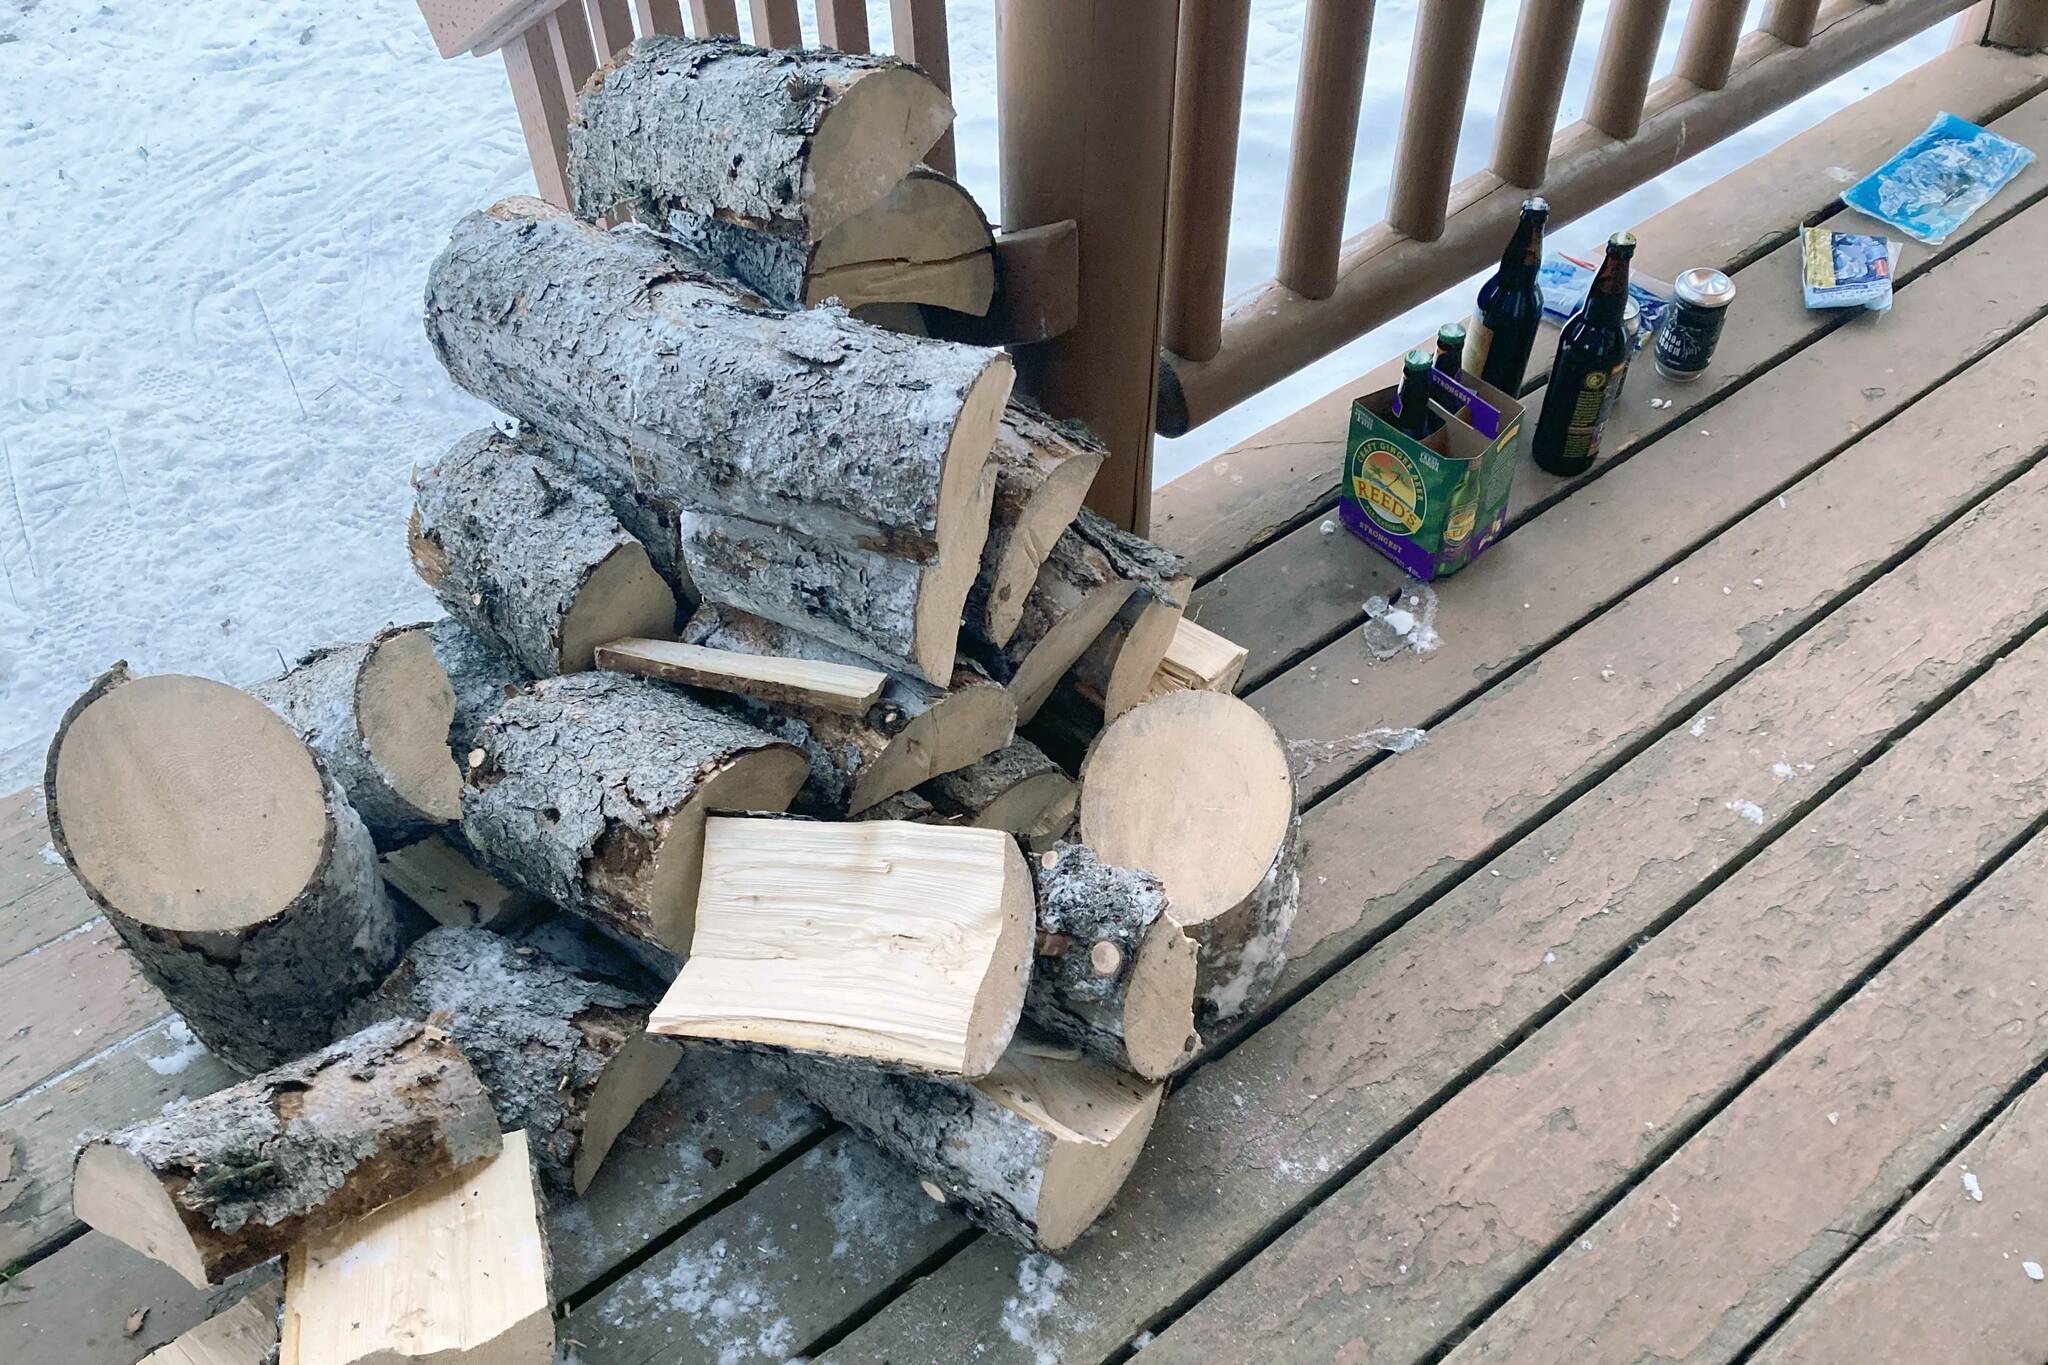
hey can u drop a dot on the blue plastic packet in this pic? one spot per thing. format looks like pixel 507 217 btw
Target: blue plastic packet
pixel 1565 281
pixel 1932 185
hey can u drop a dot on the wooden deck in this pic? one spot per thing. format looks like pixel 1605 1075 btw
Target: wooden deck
pixel 1656 1006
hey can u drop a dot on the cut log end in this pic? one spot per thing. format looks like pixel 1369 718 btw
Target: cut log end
pixel 1159 1001
pixel 1054 652
pixel 958 728
pixel 405 705
pixel 1045 514
pixel 1038 810
pixel 1143 649
pixel 927 242
pixel 967 486
pixel 1000 1001
pixel 623 596
pixel 640 1069
pixel 113 1189
pixel 869 139
pixel 1098 1121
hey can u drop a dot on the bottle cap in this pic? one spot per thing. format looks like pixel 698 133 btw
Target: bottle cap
pixel 1418 360
pixel 1623 240
pixel 1535 203
pixel 1451 334
pixel 1704 287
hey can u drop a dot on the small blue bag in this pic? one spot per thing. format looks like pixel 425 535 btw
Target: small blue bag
pixel 1932 185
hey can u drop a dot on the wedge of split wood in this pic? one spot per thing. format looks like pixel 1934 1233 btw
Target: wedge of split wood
pixel 1016 788
pixel 245 1334
pixel 1044 468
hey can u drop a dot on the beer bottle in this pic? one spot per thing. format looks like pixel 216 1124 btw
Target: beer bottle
pixel 1592 354
pixel 1450 348
pixel 1503 330
pixel 1411 410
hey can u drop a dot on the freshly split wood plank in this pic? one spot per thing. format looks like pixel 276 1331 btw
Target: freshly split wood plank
pixel 1700 1007
pixel 1199 659
pixel 1939 1281
pixel 458 1271
pixel 1931 1045
pixel 442 880
pixel 838 688
pixel 74 1306
pixel 64 1001
pixel 904 944
pixel 245 1334
pixel 1044 468
pixel 1253 1134
pixel 824 1233
pixel 1263 486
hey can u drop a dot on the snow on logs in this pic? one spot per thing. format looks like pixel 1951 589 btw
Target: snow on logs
pixel 232 1179
pixel 905 945
pixel 564 1055
pixel 590 791
pixel 1043 468
pixel 913 732
pixel 817 452
pixel 1227 851
pixel 229 861
pixel 527 556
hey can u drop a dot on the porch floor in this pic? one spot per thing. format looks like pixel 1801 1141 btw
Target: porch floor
pixel 1680 997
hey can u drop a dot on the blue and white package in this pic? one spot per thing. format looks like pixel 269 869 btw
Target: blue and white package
pixel 1932 185
pixel 1566 280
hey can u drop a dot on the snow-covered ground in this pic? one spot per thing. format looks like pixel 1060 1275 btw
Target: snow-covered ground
pixel 218 217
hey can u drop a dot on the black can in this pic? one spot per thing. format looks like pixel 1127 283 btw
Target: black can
pixel 1685 343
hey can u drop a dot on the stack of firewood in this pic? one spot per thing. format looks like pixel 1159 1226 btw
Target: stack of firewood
pixel 745 612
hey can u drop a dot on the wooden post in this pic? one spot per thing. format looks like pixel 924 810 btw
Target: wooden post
pixel 2017 23
pixel 1792 21
pixel 1208 95
pixel 713 18
pixel 843 24
pixel 1087 107
pixel 1333 47
pixel 535 73
pixel 1528 104
pixel 575 58
pixel 1628 49
pixel 664 17
pixel 1439 74
pixel 1707 51
pixel 918 32
pixel 776 23
pixel 611 21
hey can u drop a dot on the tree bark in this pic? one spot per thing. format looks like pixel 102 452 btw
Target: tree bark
pixel 788 143
pixel 1244 950
pixel 565 1056
pixel 656 522
pixel 374 713
pixel 263 964
pixel 1034 1151
pixel 1115 976
pixel 228 1181
pixel 1117 670
pixel 530 558
pixel 1043 470
pixel 483 676
pixel 590 791
pixel 916 731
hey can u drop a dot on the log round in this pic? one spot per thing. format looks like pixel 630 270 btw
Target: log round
pixel 1195 788
pixel 378 714
pixel 656 522
pixel 1115 976
pixel 590 791
pixel 1044 468
pixel 232 1179
pixel 527 556
pixel 231 864
pixel 565 1056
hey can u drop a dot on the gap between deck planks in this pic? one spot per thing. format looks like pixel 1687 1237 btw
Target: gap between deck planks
pixel 1338 1073
pixel 1226 509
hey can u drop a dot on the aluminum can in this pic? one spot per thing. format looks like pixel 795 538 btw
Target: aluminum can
pixel 1685 344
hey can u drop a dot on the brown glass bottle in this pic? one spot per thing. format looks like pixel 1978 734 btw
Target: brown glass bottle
pixel 1592 354
pixel 1504 326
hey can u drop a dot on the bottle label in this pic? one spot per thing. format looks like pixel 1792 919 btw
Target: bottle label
pixel 1388 485
pixel 1589 413
pixel 1478 343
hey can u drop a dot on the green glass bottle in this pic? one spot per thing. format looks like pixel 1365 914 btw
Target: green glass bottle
pixel 1412 412
pixel 1503 330
pixel 1450 349
pixel 1592 356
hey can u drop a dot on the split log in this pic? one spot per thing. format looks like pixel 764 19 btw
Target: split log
pixel 1016 789
pixel 245 1334
pixel 902 944
pixel 1198 660
pixel 1043 471
pixel 483 676
pixel 621 346
pixel 781 680
pixel 443 881
pixel 1115 672
pixel 530 558
pixel 1078 592
pixel 927 242
pixel 229 861
pixel 590 791
pixel 1035 1150
pixel 1115 974
pixel 912 733
pixel 564 1056
pixel 456 1271
pixel 232 1179
pixel 790 143
pixel 1195 788
pixel 377 714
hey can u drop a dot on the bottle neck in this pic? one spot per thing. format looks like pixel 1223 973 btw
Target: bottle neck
pixel 1524 254
pixel 1607 301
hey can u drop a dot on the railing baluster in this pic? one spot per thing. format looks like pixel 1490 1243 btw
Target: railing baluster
pixel 535 73
pixel 1535 87
pixel 575 58
pixel 1792 21
pixel 1439 74
pixel 715 18
pixel 2017 23
pixel 1333 46
pixel 776 23
pixel 1628 49
pixel 1706 53
pixel 843 24
pixel 1208 95
pixel 611 21
pixel 659 17
pixel 918 33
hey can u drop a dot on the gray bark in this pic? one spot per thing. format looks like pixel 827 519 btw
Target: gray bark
pixel 973 789
pixel 578 777
pixel 276 990
pixel 1154 569
pixel 318 698
pixel 483 675
pixel 776 267
pixel 656 522
pixel 1030 446
pixel 1244 950
pixel 255 1169
pixel 507 542
pixel 539 1034
pixel 714 127
pixel 623 346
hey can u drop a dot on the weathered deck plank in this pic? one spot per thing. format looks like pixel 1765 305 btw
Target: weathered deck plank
pixel 1828 1140
pixel 66 1001
pixel 1942 1269
pixel 1253 1135
pixel 73 1307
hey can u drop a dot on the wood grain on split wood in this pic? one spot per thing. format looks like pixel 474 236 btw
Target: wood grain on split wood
pixel 1249 1137
pixel 794 682
pixel 442 880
